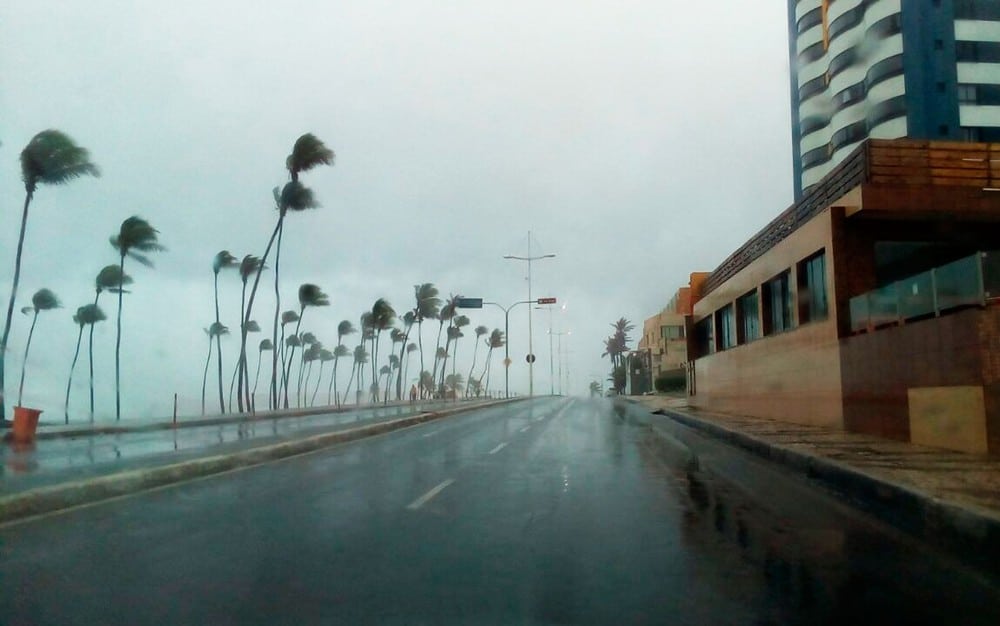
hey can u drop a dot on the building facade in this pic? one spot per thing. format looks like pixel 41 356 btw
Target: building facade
pixel 872 304
pixel 664 335
pixel 887 69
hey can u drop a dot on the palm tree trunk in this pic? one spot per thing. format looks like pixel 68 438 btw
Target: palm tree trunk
pixel 277 315
pixel 13 297
pixel 252 405
pixel 399 375
pixel 475 355
pixel 24 363
pixel 486 372
pixel 118 348
pixel 232 385
pixel 90 353
pixel 331 392
pixel 406 368
pixel 69 385
pixel 240 369
pixel 376 377
pixel 218 348
pixel 319 379
pixel 286 371
pixel 204 377
pixel 437 344
pixel 349 381
pixel 420 345
pixel 246 319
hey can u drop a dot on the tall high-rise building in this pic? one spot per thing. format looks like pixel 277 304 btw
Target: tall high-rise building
pixel 888 69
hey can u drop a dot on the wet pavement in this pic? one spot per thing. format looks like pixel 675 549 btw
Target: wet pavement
pixel 551 511
pixel 57 459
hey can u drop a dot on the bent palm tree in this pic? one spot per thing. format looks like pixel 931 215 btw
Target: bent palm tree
pixel 214 331
pixel 43 300
pixel 360 359
pixel 307 153
pixel 427 307
pixel 249 266
pixel 480 331
pixel 286 318
pixel 135 238
pixel 332 395
pixel 410 349
pixel 222 260
pixel 88 314
pixel 251 327
pixel 344 328
pixel 383 316
pixel 265 344
pixel 324 357
pixel 495 340
pixel 445 315
pixel 309 342
pixel 50 158
pixel 309 296
pixel 409 318
pixel 110 279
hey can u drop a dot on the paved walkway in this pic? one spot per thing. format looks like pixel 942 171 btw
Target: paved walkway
pixel 949 497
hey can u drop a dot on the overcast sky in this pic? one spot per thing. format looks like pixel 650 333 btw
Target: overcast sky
pixel 638 141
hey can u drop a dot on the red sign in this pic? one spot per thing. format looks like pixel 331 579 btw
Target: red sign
pixel 546 301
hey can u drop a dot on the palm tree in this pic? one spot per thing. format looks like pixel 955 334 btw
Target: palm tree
pixel 454 382
pixel 367 334
pixel 222 260
pixel 88 314
pixel 309 295
pixel 383 316
pixel 214 331
pixel 386 371
pixel 286 318
pixel 409 318
pixel 249 266
pixel 454 334
pixel 265 344
pixel 393 366
pixel 324 356
pixel 251 327
pixel 307 153
pixel 473 388
pixel 427 307
pixel 480 331
pixel 111 279
pixel 410 349
pixel 135 238
pixel 308 339
pixel 360 359
pixel 344 328
pixel 50 158
pixel 445 315
pixel 332 395
pixel 309 356
pixel 43 300
pixel 495 340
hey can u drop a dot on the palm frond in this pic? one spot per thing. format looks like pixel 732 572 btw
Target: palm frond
pixel 312 295
pixel 383 315
pixel 288 317
pixel 428 302
pixel 265 344
pixel 293 342
pixel 89 314
pixel 345 327
pixel 481 330
pixel 134 236
pixel 44 300
pixel 223 260
pixel 309 338
pixel 111 278
pixel 253 326
pixel 53 158
pixel 296 197
pixel 307 153
pixel 341 350
pixel 249 266
pixel 326 355
pixel 217 329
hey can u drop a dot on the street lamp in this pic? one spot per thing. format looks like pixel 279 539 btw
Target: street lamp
pixel 560 335
pixel 529 259
pixel 552 380
pixel 477 303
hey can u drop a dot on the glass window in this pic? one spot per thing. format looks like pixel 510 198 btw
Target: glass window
pixel 777 305
pixel 725 322
pixel 748 310
pixel 672 332
pixel 812 288
pixel 703 337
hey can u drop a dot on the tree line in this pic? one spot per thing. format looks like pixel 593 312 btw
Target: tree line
pixel 53 158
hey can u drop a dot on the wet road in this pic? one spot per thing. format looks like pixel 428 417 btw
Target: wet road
pixel 551 511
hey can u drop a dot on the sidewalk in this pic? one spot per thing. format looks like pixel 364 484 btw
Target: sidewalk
pixel 948 498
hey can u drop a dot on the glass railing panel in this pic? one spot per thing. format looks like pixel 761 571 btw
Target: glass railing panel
pixel 883 304
pixel 958 283
pixel 991 273
pixel 859 313
pixel 916 295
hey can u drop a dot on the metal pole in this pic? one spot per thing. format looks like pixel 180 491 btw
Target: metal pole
pixel 560 364
pixel 506 352
pixel 552 382
pixel 531 362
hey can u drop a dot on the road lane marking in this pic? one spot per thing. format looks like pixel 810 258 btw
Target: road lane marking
pixel 498 448
pixel 539 418
pixel 427 497
pixel 525 429
pixel 431 434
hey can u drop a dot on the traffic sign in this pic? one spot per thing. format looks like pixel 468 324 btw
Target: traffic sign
pixel 530 358
pixel 469 303
pixel 546 301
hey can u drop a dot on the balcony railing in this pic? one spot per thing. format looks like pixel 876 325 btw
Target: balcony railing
pixel 969 281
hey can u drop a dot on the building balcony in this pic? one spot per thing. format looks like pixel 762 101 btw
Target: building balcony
pixel 969 281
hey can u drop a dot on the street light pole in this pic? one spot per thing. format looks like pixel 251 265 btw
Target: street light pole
pixel 560 335
pixel 552 382
pixel 506 341
pixel 529 259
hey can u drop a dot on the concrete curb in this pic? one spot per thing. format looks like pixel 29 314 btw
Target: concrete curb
pixel 66 495
pixel 972 533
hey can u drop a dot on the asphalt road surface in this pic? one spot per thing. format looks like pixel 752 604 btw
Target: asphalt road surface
pixel 551 511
